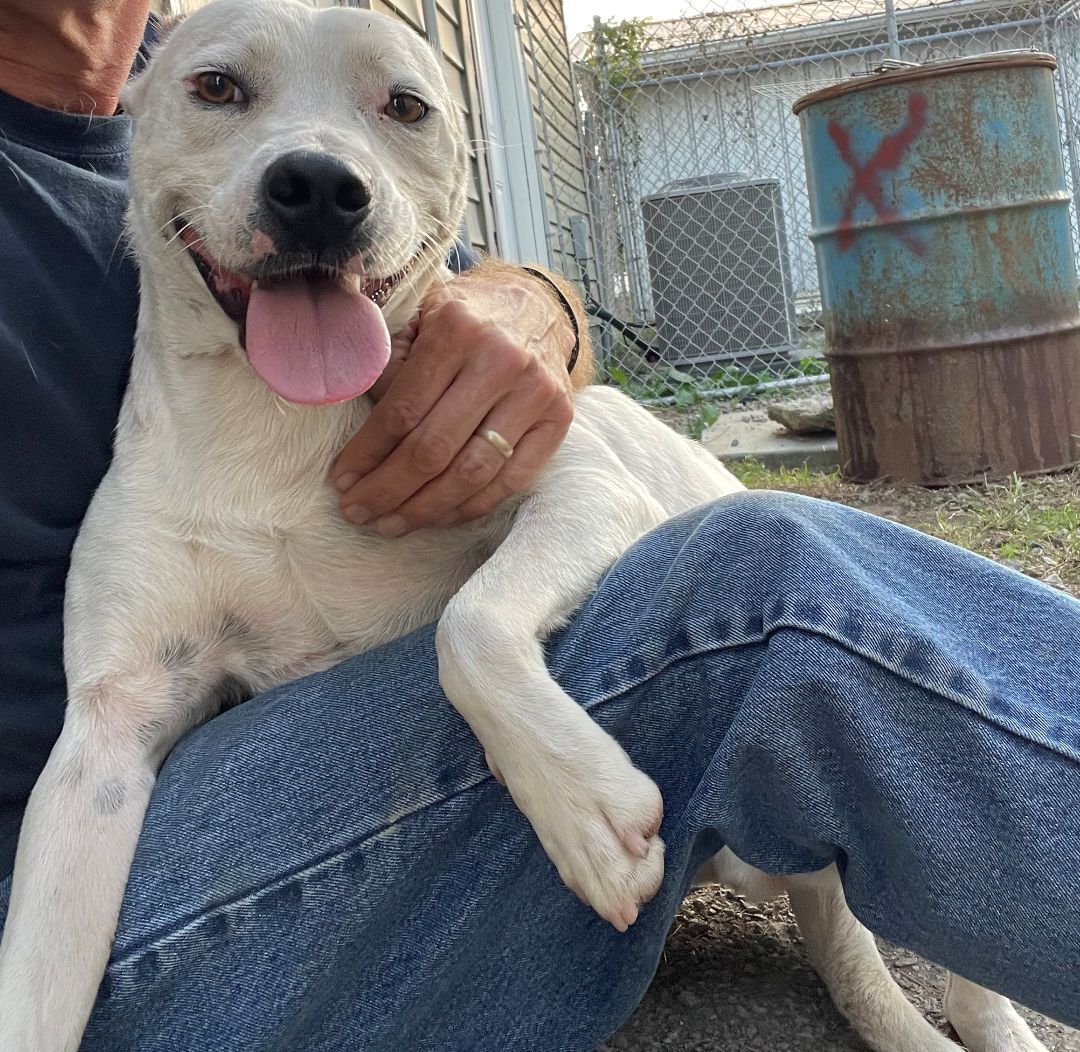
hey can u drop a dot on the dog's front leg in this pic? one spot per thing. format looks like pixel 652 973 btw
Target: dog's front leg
pixel 141 660
pixel 596 815
pixel 75 849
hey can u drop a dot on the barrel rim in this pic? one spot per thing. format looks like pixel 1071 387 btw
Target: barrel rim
pixel 971 64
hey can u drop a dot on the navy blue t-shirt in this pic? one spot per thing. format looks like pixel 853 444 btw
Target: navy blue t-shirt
pixel 68 301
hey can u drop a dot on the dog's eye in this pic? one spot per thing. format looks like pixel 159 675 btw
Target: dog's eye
pixel 218 89
pixel 406 108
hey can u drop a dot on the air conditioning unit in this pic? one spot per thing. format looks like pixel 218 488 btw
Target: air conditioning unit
pixel 719 271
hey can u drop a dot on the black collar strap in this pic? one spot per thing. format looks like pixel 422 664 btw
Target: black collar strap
pixel 570 313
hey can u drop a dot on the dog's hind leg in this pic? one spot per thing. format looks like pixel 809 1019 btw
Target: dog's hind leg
pixel 846 958
pixel 594 812
pixel 728 870
pixel 986 1021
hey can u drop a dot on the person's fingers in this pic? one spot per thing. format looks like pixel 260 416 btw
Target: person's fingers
pixel 530 455
pixel 479 344
pixel 422 378
pixel 429 451
pixel 400 346
pixel 476 466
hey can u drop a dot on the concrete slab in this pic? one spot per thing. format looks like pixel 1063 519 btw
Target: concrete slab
pixel 750 433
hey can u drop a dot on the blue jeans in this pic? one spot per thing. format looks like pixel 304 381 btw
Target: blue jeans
pixel 331 866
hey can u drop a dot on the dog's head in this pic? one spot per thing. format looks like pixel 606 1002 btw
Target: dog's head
pixel 306 170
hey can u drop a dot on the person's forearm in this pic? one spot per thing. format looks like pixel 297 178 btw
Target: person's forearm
pixel 583 372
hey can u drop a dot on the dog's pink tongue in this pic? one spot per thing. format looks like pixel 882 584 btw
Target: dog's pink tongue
pixel 314 341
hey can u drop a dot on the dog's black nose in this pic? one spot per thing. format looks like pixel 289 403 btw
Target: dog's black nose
pixel 314 202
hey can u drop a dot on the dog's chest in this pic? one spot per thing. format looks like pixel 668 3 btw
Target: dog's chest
pixel 321 589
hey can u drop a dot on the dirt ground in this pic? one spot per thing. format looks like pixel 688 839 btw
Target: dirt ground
pixel 734 977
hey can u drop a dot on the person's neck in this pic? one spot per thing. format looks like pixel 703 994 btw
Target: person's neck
pixel 71 56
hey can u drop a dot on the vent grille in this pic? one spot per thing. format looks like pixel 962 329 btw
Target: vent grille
pixel 718 266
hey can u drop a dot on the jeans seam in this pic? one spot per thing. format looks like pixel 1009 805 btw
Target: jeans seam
pixel 870 656
pixel 299 872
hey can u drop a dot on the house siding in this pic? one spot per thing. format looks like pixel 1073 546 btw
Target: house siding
pixel 542 34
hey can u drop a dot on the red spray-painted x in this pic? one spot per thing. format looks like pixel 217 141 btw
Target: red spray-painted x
pixel 866 182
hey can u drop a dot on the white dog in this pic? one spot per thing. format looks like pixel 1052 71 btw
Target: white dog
pixel 297 178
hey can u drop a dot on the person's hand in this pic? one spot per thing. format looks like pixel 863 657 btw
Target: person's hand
pixel 487 351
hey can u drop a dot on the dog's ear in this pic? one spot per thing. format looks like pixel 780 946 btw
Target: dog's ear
pixel 132 95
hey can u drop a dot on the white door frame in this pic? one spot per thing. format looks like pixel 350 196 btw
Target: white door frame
pixel 516 186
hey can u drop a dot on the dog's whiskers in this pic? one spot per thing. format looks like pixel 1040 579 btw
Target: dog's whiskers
pixel 241 135
pixel 483 145
pixel 176 235
pixel 200 240
pixel 185 214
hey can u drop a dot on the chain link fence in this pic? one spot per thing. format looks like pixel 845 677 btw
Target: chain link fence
pixel 692 243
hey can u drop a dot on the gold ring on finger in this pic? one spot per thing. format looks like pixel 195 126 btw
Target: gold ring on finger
pixel 505 449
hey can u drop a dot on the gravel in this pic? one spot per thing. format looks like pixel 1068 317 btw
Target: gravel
pixel 734 978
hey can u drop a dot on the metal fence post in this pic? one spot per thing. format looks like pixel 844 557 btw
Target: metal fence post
pixel 890 27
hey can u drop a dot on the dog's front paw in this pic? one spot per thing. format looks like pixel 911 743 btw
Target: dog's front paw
pixel 597 820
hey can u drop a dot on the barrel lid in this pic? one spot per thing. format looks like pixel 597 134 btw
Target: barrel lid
pixel 893 72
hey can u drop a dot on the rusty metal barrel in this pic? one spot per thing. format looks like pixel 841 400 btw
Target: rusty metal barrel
pixel 940 220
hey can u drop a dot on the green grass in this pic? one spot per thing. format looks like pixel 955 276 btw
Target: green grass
pixel 684 388
pixel 755 475
pixel 1031 523
pixel 685 400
